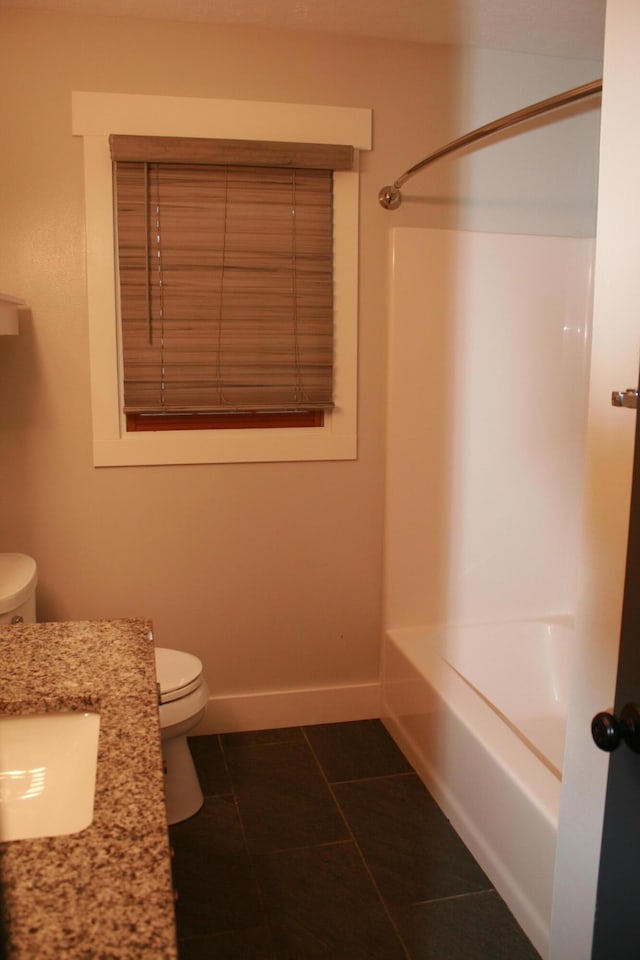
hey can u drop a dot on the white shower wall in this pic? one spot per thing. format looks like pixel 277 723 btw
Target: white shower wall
pixel 489 344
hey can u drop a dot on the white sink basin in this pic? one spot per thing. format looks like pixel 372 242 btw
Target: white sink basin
pixel 47 773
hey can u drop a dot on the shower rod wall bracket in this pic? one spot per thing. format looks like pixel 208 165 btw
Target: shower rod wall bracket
pixel 390 197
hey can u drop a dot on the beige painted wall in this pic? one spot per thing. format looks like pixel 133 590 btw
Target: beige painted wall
pixel 271 573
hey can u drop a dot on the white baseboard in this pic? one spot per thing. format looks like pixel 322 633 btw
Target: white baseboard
pixel 290 708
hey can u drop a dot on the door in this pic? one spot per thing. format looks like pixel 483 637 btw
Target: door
pixel 616 933
pixel 608 475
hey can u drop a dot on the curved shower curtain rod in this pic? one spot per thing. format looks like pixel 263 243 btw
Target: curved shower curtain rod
pixel 391 198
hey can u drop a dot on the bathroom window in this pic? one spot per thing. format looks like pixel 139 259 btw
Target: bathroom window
pixel 225 276
pixel 125 359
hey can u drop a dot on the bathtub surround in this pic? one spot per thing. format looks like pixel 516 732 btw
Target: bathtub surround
pixel 488 364
pixel 489 346
pixel 107 891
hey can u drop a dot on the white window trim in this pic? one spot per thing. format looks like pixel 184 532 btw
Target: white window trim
pixel 94 117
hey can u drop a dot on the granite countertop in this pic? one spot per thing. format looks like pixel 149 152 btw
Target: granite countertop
pixel 104 893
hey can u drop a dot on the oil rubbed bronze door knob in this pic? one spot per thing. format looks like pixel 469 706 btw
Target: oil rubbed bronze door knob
pixel 608 732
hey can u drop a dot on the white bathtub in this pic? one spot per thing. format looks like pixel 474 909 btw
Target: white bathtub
pixel 480 711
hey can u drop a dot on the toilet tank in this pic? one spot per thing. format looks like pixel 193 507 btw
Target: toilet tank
pixel 18 578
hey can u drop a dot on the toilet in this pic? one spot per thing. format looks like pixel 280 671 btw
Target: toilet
pixel 183 693
pixel 18 579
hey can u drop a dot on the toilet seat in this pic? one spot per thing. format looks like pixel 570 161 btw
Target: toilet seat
pixel 178 673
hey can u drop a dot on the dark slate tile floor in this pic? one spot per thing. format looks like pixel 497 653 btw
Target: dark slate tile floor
pixel 321 843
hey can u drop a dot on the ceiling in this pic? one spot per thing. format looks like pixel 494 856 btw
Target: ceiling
pixel 562 28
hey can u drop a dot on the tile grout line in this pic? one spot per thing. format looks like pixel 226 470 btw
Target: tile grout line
pixel 254 874
pixel 231 792
pixel 381 776
pixel 455 896
pixel 305 846
pixel 382 900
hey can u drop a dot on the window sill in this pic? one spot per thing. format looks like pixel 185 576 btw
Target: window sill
pixel 334 441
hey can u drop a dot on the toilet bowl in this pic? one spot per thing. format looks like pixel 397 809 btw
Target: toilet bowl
pixel 18 579
pixel 183 697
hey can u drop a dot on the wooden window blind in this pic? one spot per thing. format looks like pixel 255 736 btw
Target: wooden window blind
pixel 225 254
